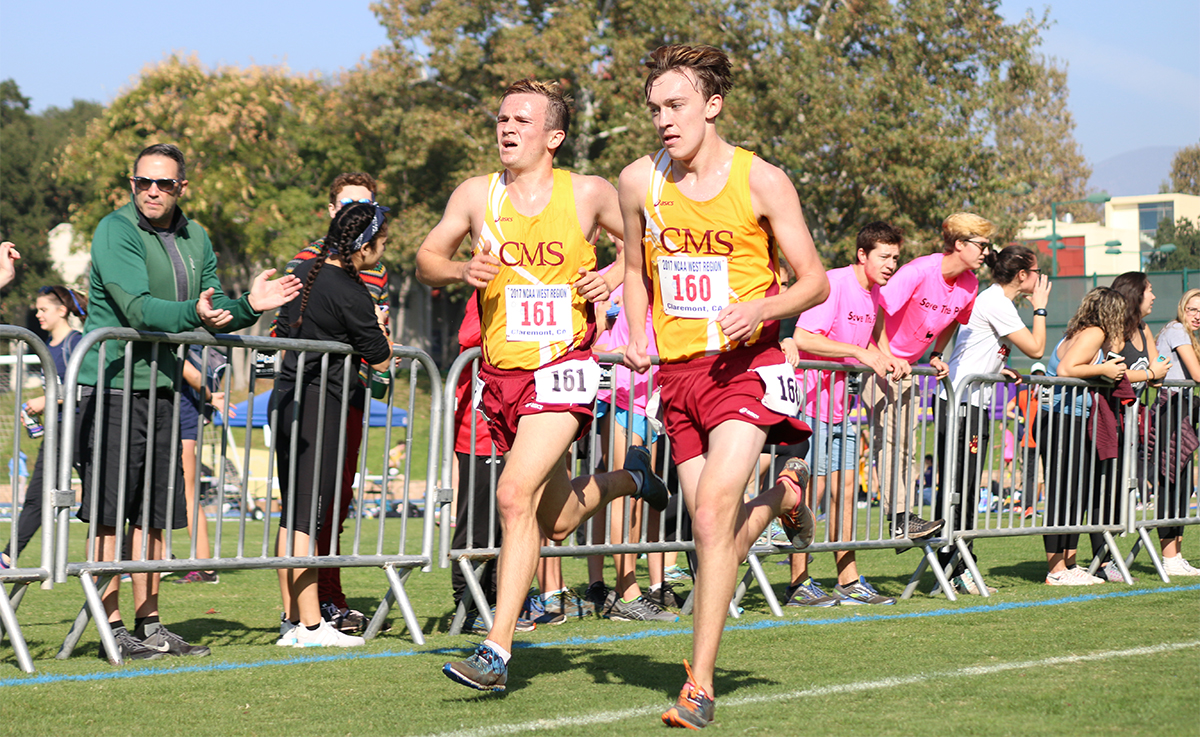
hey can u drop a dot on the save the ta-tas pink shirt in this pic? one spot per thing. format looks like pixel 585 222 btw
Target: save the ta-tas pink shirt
pixel 919 304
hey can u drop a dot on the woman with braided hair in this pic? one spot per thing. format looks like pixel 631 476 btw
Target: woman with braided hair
pixel 334 305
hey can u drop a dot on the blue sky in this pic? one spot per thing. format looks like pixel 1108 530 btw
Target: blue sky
pixel 1134 66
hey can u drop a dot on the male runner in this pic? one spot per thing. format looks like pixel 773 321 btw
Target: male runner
pixel 534 268
pixel 713 217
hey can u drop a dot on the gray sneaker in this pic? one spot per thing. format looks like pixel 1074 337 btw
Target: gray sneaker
pixel 166 641
pixel 913 527
pixel 640 609
pixel 861 592
pixel 131 648
pixel 809 593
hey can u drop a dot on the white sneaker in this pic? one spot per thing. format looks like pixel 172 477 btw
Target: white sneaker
pixel 1178 566
pixel 1110 572
pixel 1067 577
pixel 325 636
pixel 287 634
pixel 1083 573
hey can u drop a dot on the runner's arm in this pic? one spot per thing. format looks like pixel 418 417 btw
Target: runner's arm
pixel 436 266
pixel 632 193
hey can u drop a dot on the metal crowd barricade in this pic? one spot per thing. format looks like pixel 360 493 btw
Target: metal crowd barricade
pixel 1165 476
pixel 1078 482
pixel 871 527
pixel 21 576
pixel 904 415
pixel 397 551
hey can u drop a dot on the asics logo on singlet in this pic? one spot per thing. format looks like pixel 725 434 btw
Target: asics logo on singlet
pixel 664 203
pixel 546 253
pixel 503 220
pixel 709 243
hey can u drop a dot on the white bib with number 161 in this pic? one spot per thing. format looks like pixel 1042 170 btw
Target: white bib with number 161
pixel 537 312
pixel 693 287
pixel 569 382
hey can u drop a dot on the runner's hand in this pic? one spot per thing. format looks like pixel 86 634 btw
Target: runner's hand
pixel 482 268
pixel 590 285
pixel 739 321
pixel 636 353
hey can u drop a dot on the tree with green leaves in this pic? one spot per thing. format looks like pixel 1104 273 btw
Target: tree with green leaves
pixel 1185 234
pixel 259 157
pixel 1185 171
pixel 31 202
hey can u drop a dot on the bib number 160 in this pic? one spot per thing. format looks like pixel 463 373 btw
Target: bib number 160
pixel 693 287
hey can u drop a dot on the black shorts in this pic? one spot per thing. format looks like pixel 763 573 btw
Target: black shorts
pixel 167 507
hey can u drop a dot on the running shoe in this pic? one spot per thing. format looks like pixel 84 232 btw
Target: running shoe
pixel 131 648
pixel 694 709
pixel 652 490
pixel 325 635
pixel 1178 566
pixel 797 522
pixel 1067 577
pixel 967 584
pixel 350 621
pixel 567 603
pixel 675 573
pixel 666 596
pixel 861 592
pixel 907 524
pixel 475 626
pixel 166 641
pixel 1111 573
pixel 597 595
pixel 809 593
pixel 1086 574
pixel 640 609
pixel 484 670
pixel 287 633
pixel 200 577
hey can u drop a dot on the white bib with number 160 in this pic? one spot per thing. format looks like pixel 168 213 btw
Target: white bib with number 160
pixel 537 312
pixel 693 287
pixel 569 382
pixel 782 393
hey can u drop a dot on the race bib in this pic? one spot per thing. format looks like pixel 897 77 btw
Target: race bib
pixel 782 393
pixel 693 287
pixel 537 313
pixel 569 382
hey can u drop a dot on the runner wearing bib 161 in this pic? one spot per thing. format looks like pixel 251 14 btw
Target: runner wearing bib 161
pixel 534 270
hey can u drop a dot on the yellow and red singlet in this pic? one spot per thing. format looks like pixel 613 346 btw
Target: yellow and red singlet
pixel 530 313
pixel 701 257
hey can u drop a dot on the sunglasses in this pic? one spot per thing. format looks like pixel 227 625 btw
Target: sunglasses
pixel 166 186
pixel 350 201
pixel 983 247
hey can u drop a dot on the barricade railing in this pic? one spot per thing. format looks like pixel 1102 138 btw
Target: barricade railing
pixel 991 478
pixel 16 571
pixel 913 404
pixel 396 548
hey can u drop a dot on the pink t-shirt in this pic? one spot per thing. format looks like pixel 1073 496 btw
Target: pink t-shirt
pixel 847 316
pixel 919 304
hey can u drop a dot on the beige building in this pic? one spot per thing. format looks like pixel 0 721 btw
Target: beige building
pixel 1091 248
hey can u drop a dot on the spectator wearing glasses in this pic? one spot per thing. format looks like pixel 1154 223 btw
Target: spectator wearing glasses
pixel 348 188
pixel 152 269
pixel 920 307
pixel 983 347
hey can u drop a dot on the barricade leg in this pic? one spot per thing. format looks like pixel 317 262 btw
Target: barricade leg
pixel 472 576
pixel 965 553
pixel 945 568
pixel 930 559
pixel 18 593
pixel 768 593
pixel 80 624
pixel 8 616
pixel 1144 542
pixel 96 605
pixel 410 617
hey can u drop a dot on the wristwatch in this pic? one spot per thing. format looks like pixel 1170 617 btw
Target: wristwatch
pixel 1041 312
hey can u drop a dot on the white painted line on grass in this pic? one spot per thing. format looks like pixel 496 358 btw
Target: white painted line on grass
pixel 606 717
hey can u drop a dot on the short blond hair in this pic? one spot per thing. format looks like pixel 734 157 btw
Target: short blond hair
pixel 963 226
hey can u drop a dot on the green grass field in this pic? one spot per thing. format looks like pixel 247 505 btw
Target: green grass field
pixel 1030 660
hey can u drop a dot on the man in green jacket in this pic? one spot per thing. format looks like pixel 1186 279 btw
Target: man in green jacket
pixel 152 270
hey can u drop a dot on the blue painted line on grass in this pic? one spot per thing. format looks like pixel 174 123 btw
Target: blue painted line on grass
pixel 36 680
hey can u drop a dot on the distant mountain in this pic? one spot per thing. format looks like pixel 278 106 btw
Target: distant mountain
pixel 1134 173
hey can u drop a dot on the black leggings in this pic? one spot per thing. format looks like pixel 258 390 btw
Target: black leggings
pixel 974 438
pixel 1062 443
